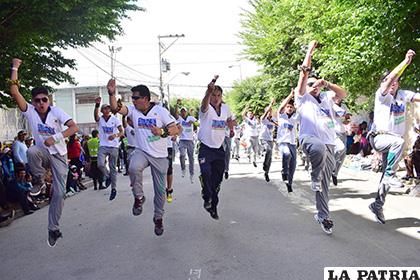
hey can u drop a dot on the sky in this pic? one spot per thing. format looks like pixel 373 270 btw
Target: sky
pixel 211 46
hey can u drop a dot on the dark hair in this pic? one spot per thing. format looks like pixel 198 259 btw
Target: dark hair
pixel 39 90
pixel 218 88
pixel 142 90
pixel 95 133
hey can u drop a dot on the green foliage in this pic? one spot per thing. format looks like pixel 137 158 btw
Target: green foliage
pixel 36 30
pixel 188 103
pixel 358 40
pixel 254 93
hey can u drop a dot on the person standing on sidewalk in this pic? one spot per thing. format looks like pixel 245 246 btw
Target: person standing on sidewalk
pixel 110 131
pixel 92 157
pixel 286 139
pixel 152 124
pixel 214 117
pixel 386 135
pixel 186 140
pixel 268 125
pixel 317 134
pixel 46 123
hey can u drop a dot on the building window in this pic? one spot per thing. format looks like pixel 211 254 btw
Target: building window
pixel 86 98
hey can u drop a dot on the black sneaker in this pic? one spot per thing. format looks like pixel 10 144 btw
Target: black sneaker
pixel 102 187
pixel 334 179
pixel 284 177
pixel 108 182
pixel 226 175
pixel 267 179
pixel 255 164
pixel 207 205
pixel 289 187
pixel 379 214
pixel 138 205
pixel 213 213
pixel 158 226
pixel 113 194
pixel 326 224
pixel 53 235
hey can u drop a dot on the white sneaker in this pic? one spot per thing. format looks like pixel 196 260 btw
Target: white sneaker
pixel 316 187
pixel 192 179
pixel 393 182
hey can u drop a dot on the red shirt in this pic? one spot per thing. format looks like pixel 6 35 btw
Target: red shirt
pixel 74 150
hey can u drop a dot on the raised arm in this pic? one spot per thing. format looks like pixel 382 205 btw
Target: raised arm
pixel 96 110
pixel 397 72
pixel 273 101
pixel 305 69
pixel 111 86
pixel 14 85
pixel 340 93
pixel 286 101
pixel 206 100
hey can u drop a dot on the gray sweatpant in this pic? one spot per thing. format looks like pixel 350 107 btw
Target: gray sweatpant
pixel 112 154
pixel 253 147
pixel 340 152
pixel 227 145
pixel 187 147
pixel 321 157
pixel 39 160
pixel 159 167
pixel 236 146
pixel 391 147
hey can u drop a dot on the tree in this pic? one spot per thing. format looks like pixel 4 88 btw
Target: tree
pixel 358 40
pixel 37 30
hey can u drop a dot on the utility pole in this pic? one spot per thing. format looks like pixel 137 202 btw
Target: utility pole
pixel 163 49
pixel 113 52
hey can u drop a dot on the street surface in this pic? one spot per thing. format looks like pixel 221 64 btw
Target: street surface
pixel 263 232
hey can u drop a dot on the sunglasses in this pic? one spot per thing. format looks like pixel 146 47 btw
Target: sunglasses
pixel 135 97
pixel 310 84
pixel 43 99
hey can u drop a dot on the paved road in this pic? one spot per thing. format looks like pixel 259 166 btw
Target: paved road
pixel 263 233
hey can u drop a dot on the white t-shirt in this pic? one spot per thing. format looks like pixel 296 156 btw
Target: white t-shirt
pixel 238 131
pixel 316 119
pixel 286 131
pixel 130 133
pixel 267 129
pixel 389 114
pixel 56 119
pixel 339 116
pixel 106 129
pixel 158 116
pixel 251 127
pixel 212 126
pixel 187 127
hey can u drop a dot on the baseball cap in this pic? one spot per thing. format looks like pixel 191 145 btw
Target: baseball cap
pixel 183 108
pixel 104 106
pixel 6 150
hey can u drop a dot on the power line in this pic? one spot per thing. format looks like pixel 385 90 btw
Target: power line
pixel 128 67
pixel 82 54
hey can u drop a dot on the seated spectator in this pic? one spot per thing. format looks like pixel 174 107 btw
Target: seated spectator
pixel 19 189
pixel 7 165
pixel 19 150
pixel 413 160
pixel 72 178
